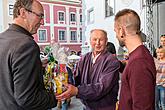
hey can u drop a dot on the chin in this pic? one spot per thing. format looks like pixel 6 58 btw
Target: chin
pixel 121 44
pixel 33 33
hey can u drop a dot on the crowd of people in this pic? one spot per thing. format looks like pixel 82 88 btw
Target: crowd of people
pixel 96 77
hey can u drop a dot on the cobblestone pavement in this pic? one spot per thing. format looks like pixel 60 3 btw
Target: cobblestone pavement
pixel 74 105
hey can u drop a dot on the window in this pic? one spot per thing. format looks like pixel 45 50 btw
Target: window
pixel 72 17
pixel 80 18
pixel 61 16
pixel 73 36
pixel 142 4
pixel 61 35
pixel 11 9
pixel 42 35
pixel 91 15
pixel 109 8
pixel 80 35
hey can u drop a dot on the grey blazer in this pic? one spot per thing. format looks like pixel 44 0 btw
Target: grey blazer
pixel 21 80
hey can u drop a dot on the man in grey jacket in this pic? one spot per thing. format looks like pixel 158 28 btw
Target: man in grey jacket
pixel 21 80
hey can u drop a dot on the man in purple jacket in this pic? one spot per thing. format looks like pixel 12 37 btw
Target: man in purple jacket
pixel 98 76
pixel 138 77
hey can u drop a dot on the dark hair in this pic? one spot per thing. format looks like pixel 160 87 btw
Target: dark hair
pixel 27 4
pixel 135 17
pixel 163 35
pixel 111 48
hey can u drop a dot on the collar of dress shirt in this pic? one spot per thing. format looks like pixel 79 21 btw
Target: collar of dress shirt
pixel 94 58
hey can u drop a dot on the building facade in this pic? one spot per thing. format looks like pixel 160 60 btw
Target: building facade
pixel 62 24
pixel 100 14
pixel 6 11
pixel 69 22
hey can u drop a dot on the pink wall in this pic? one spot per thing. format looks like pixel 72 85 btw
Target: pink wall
pixel 72 28
pixel 56 33
pixel 36 37
pixel 48 32
pixel 72 10
pixel 80 11
pixel 47 13
pixel 75 47
pixel 62 3
pixel 55 13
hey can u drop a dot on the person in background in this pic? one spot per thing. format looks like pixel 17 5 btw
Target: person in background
pixel 160 79
pixel 162 43
pixel 111 48
pixel 139 76
pixel 98 76
pixel 21 76
pixel 162 40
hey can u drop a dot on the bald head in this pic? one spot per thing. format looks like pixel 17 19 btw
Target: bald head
pixel 129 19
pixel 104 33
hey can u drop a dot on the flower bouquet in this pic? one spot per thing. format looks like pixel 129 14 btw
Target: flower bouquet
pixel 56 74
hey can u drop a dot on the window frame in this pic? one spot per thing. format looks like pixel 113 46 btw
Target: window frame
pixel 59 35
pixel 109 8
pixel 80 35
pixel 11 6
pixel 90 15
pixel 75 37
pixel 39 35
pixel 59 16
pixel 72 13
pixel 81 19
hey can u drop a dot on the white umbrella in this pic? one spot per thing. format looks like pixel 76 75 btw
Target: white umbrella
pixel 74 57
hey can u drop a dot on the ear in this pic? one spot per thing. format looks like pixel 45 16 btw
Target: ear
pixel 122 32
pixel 106 43
pixel 22 12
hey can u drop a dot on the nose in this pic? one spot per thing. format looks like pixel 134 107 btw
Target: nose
pixel 98 41
pixel 42 21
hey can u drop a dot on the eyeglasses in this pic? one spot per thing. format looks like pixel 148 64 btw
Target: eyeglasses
pixel 41 16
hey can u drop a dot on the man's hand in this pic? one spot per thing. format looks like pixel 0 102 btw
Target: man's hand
pixel 44 61
pixel 71 91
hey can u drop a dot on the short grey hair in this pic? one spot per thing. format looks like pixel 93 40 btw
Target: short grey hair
pixel 27 4
pixel 105 33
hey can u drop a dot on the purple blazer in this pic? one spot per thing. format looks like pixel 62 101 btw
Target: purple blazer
pixel 98 83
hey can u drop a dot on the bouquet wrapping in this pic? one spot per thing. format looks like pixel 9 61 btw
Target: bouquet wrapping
pixel 56 74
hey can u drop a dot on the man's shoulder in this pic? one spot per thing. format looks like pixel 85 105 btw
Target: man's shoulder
pixel 87 55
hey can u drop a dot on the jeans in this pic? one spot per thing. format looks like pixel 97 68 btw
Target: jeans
pixel 64 105
pixel 160 98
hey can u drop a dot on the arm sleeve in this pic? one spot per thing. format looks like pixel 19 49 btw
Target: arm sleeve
pixel 29 90
pixel 107 82
pixel 77 75
pixel 142 85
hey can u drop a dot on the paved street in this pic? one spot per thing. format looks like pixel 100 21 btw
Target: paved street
pixel 75 105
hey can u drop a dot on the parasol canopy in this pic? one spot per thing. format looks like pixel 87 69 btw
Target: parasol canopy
pixel 74 57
